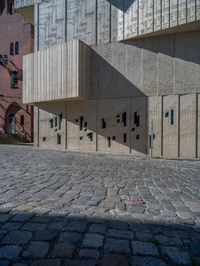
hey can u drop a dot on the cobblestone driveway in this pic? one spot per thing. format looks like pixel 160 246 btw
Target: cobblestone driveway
pixel 77 209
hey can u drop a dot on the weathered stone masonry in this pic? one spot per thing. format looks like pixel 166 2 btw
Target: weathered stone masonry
pixel 115 76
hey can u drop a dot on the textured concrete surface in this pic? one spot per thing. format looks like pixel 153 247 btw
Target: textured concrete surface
pixel 67 208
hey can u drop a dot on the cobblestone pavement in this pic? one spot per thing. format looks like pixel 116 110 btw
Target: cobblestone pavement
pixel 78 209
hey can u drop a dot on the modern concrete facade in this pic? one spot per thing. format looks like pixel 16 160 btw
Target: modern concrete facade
pixel 115 76
pixel 16 41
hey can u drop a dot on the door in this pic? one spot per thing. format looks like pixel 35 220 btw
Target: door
pixel 11 124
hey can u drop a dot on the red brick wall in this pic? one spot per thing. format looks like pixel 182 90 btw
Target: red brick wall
pixel 13 28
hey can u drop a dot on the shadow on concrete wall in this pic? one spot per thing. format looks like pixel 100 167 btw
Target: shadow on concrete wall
pixel 182 45
pixel 123 5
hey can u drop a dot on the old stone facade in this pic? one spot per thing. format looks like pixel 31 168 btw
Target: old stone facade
pixel 115 76
pixel 16 41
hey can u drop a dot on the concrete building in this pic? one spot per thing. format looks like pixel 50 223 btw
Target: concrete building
pixel 120 76
pixel 16 40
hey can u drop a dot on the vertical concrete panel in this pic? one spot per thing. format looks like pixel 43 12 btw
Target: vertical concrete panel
pixel 155 124
pixel 35 126
pixel 198 127
pixel 134 64
pixel 130 19
pixel 103 21
pixel 182 12
pixel 157 15
pixel 187 62
pixel 170 125
pixel 191 10
pixel 139 125
pixel 188 125
pixel 81 125
pixel 173 13
pixel 48 135
pixel 165 14
pixel 81 20
pixel 166 65
pixel 117 20
pixel 51 23
pixel 149 67
pixel 198 10
pixel 111 111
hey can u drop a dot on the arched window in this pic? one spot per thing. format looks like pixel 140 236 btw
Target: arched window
pixel 22 120
pixel 17 48
pixel 11 48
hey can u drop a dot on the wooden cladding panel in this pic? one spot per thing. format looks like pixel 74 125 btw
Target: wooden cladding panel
pixel 59 72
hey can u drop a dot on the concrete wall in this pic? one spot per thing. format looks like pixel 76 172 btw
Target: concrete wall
pixel 161 65
pixel 59 72
pixel 106 125
pixel 180 137
pixel 104 21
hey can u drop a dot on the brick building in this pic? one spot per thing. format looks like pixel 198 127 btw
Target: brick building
pixel 16 40
pixel 120 76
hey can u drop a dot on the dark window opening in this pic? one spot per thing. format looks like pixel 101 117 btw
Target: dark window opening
pixel 55 121
pixel 14 79
pixel 81 123
pixel 167 114
pixel 90 136
pixel 10 7
pixel 17 48
pixel 85 124
pixel 124 118
pixel 150 142
pixel 113 138
pixel 11 48
pixel 44 139
pixel 58 139
pixel 125 138
pixel 60 120
pixel 154 136
pixel 118 118
pixel 22 120
pixel 172 117
pixel 109 141
pixel 133 129
pixel 138 137
pixel 51 123
pixel 136 119
pixel 81 138
pixel 103 123
pixel 76 120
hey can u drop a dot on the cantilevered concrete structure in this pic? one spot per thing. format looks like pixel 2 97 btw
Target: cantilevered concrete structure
pixel 120 76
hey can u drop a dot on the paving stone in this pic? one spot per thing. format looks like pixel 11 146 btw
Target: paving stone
pixel 4 217
pixel 89 253
pixel 195 248
pixel 93 240
pixel 144 248
pixel 70 238
pixel 143 236
pixel 177 255
pixel 34 227
pixel 47 262
pixel 117 245
pixel 168 241
pixel 17 237
pixel 4 263
pixel 63 250
pixel 97 228
pixel 45 235
pixel 10 252
pixel 22 217
pixel 77 226
pixel 11 226
pixel 120 234
pixel 80 263
pixel 36 250
pixel 114 260
pixel 146 261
